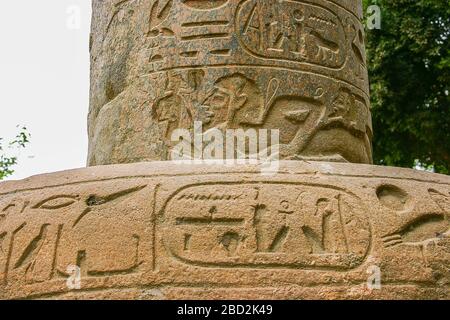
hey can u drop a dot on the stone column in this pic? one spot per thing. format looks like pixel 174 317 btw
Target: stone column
pixel 160 65
pixel 163 230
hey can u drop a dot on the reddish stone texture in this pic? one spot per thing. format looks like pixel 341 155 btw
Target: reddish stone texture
pixel 160 65
pixel 167 230
pixel 313 230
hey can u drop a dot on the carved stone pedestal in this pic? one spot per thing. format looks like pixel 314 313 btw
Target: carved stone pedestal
pixel 313 230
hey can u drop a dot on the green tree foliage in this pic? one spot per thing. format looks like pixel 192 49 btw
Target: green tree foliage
pixel 7 162
pixel 409 69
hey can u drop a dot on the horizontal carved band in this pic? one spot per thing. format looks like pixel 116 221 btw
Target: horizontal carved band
pixel 172 228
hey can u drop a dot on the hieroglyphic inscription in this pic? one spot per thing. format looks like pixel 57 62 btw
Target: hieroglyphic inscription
pixel 236 101
pixel 258 225
pixel 422 231
pixel 278 32
pixel 299 229
pixel 42 234
pixel 294 31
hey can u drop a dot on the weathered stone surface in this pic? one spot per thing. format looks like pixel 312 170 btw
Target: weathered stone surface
pixel 298 66
pixel 162 230
pixel 172 231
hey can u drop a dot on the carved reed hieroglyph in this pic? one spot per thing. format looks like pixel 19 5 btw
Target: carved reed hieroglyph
pixel 161 230
pixel 297 66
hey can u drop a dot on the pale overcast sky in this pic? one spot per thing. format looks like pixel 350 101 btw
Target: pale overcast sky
pixel 44 81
